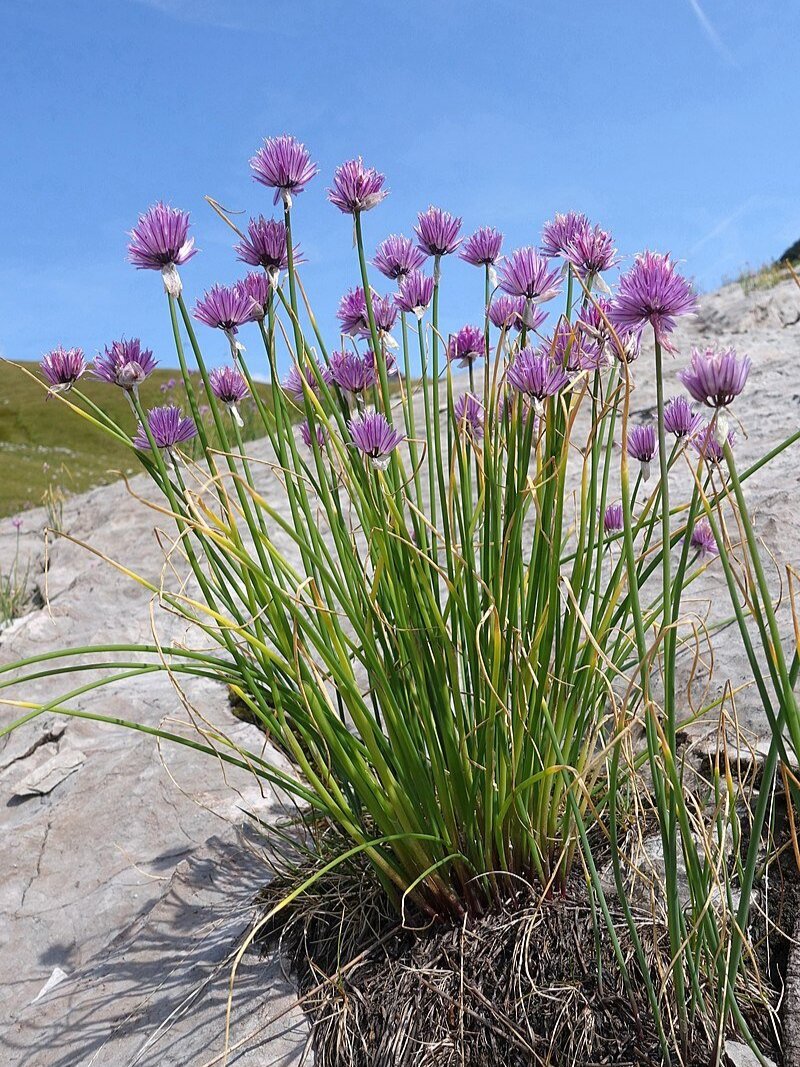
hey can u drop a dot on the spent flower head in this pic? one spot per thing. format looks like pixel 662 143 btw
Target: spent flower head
pixel 283 164
pixel 125 363
pixel 715 377
pixel 356 188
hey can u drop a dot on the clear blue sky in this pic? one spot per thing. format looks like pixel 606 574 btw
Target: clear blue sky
pixel 673 124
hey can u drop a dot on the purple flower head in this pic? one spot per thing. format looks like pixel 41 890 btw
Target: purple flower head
pixel 536 374
pixel 160 241
pixel 652 292
pixel 482 248
pixel 16 522
pixel 706 443
pixel 642 446
pixel 561 231
pixel 385 314
pixel 437 232
pixel 265 246
pixel 168 427
pixel 467 345
pixel 595 322
pixel 416 292
pixel 568 348
pixel 526 273
pixel 256 287
pixel 508 312
pixel 319 433
pixel 591 251
pixel 613 519
pixel 468 412
pixel 225 307
pixel 375 437
pixel 125 363
pixel 293 382
pixel 356 188
pixel 398 256
pixel 715 377
pixel 228 385
pixel 680 418
pixel 283 164
pixel 703 539
pixel 352 312
pixel 351 372
pixel 62 367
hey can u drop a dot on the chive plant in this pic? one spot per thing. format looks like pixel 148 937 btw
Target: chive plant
pixel 454 623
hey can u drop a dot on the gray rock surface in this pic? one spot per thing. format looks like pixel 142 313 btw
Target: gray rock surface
pixel 131 875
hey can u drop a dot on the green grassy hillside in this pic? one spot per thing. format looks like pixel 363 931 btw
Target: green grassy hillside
pixel 44 444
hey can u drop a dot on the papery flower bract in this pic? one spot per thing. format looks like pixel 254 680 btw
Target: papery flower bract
pixel 168 427
pixel 642 446
pixel 468 413
pixel 536 374
pixel 256 286
pixel 352 312
pixel 591 251
pixel 482 248
pixel 703 539
pixel 398 256
pixel 356 188
pixel 559 233
pixel 437 232
pixel 465 346
pixel 715 377
pixel 293 382
pixel 319 433
pixel 415 293
pixel 283 164
pixel 680 418
pixel 125 363
pixel 265 246
pixel 613 518
pixel 374 436
pixel 707 444
pixel 652 292
pixel 351 371
pixel 224 307
pixel 526 273
pixel 229 387
pixel 62 367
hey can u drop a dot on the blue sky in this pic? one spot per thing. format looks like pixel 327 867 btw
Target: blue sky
pixel 671 123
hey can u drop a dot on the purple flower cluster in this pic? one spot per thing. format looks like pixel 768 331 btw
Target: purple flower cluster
pixel 230 388
pixel 561 231
pixel 680 418
pixel 356 188
pixel 293 383
pixel 168 428
pixel 715 377
pixel 415 293
pixel 642 445
pixel 526 273
pixel 375 437
pixel 437 232
pixel 125 363
pixel 482 248
pixel 305 434
pixel 536 374
pixel 62 367
pixel 703 540
pixel 652 292
pixel 265 246
pixel 398 256
pixel 464 347
pixel 613 518
pixel 225 307
pixel 283 164
pixel 352 372
pixel 469 417
pixel 160 241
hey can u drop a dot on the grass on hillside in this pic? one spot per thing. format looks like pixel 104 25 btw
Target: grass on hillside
pixel 46 448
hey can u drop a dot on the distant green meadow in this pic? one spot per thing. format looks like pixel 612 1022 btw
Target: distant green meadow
pixel 45 446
